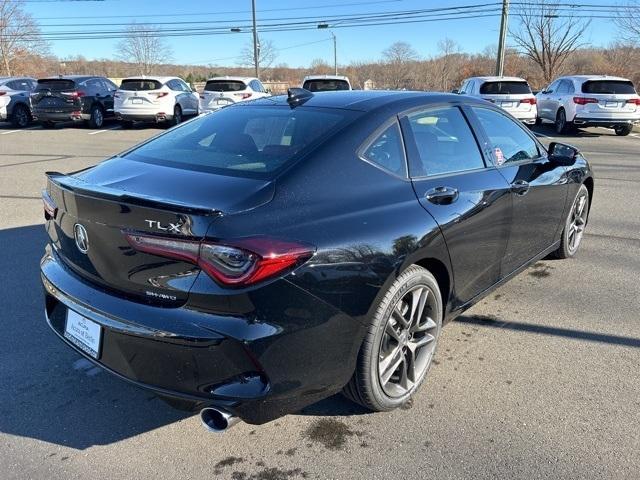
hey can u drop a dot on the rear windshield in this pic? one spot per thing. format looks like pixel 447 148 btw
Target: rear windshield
pixel 622 87
pixel 224 86
pixel 505 88
pixel 140 84
pixel 55 84
pixel 249 141
pixel 325 85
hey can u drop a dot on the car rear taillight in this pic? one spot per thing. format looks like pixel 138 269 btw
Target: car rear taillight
pixel 239 263
pixel 50 207
pixel 3 93
pixel 244 96
pixel 75 94
pixel 584 100
pixel 634 101
pixel 530 101
pixel 161 94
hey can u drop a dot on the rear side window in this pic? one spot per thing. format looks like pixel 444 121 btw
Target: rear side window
pixel 55 84
pixel 509 141
pixel 444 143
pixel 505 88
pixel 386 151
pixel 620 87
pixel 140 84
pixel 224 86
pixel 249 141
pixel 325 85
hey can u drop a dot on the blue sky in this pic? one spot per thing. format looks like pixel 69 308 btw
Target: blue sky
pixel 359 43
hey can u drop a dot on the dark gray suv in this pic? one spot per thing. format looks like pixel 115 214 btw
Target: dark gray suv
pixel 17 109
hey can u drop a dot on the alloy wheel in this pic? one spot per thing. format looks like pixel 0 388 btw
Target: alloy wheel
pixel 577 222
pixel 97 118
pixel 561 121
pixel 408 342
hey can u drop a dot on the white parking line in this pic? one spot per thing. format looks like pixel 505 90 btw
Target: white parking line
pixel 10 131
pixel 105 130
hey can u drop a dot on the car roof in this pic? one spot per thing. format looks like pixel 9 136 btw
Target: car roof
pixel 236 79
pixel 325 77
pixel 498 79
pixel 9 79
pixel 71 77
pixel 158 78
pixel 367 100
pixel 592 77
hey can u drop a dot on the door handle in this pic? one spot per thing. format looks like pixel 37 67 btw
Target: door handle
pixel 520 187
pixel 442 195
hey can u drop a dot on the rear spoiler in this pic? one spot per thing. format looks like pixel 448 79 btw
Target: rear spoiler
pixel 77 186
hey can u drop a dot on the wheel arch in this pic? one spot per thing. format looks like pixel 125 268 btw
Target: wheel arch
pixel 588 182
pixel 441 273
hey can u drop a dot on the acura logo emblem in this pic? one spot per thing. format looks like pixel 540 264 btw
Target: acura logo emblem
pixel 82 239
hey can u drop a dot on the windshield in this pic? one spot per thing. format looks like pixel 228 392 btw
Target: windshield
pixel 325 85
pixel 55 84
pixel 252 141
pixel 224 86
pixel 140 84
pixel 505 88
pixel 622 87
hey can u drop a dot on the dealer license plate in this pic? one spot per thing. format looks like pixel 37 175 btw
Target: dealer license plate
pixel 83 333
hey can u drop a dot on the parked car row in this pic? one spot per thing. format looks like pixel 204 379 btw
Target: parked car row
pixel 569 102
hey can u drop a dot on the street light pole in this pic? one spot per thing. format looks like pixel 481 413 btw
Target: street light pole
pixel 255 40
pixel 335 46
pixel 503 36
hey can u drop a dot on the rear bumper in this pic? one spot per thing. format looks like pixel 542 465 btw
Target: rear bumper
pixel 525 117
pixel 259 365
pixel 3 113
pixel 143 115
pixel 74 116
pixel 604 122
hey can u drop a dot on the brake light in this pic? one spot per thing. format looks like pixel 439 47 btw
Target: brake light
pixel 240 262
pixel 3 93
pixel 634 101
pixel 244 96
pixel 584 100
pixel 50 207
pixel 75 94
pixel 161 94
pixel 530 101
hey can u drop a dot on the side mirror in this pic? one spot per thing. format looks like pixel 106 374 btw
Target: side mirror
pixel 456 91
pixel 562 154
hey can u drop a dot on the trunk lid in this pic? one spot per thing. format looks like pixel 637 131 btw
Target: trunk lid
pixel 612 98
pixel 96 206
pixel 140 93
pixel 56 96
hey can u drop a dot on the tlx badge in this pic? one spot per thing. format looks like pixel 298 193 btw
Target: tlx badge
pixel 169 227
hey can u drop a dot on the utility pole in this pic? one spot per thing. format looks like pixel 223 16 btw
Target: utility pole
pixel 335 54
pixel 255 40
pixel 503 37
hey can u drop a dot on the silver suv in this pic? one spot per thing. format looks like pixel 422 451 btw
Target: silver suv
pixel 14 100
pixel 590 100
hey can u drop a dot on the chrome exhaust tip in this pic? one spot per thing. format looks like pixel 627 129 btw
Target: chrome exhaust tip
pixel 217 420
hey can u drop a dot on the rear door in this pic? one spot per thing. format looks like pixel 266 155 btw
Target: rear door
pixel 139 93
pixel 614 100
pixel 546 108
pixel 56 95
pixel 219 93
pixel 538 187
pixel 469 199
pixel 513 96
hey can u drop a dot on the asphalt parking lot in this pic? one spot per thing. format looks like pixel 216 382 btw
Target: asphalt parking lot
pixel 540 380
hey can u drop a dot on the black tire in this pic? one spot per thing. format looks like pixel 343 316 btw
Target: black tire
pixel 47 124
pixel 562 126
pixel 366 387
pixel 568 245
pixel 126 124
pixel 177 116
pixel 21 116
pixel 623 130
pixel 96 120
pixel 538 121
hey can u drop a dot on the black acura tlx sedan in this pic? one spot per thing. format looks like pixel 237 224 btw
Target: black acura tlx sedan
pixel 258 259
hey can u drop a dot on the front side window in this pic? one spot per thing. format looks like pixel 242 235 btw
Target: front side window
pixel 508 140
pixel 250 141
pixel 444 143
pixel 386 151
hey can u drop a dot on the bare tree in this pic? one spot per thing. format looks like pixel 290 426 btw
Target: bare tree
pixel 447 63
pixel 144 47
pixel 19 35
pixel 399 59
pixel 627 22
pixel 267 54
pixel 546 38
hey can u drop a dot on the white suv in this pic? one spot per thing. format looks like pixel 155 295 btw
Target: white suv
pixel 154 99
pixel 326 83
pixel 222 91
pixel 590 100
pixel 512 94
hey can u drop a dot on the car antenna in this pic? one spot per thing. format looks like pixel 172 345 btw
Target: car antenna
pixel 297 96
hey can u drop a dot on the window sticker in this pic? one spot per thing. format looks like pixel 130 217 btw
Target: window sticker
pixel 499 156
